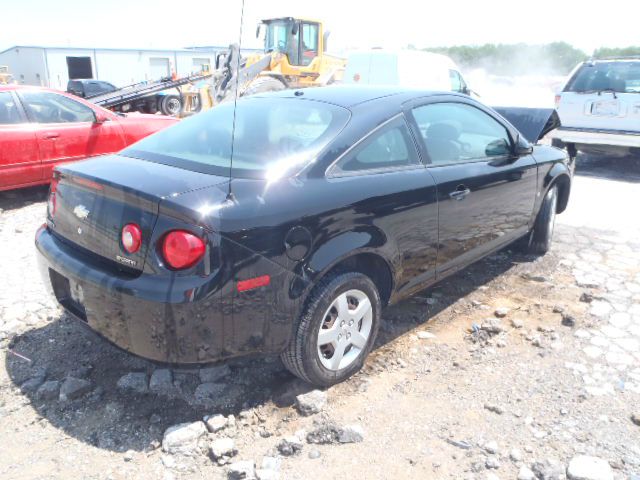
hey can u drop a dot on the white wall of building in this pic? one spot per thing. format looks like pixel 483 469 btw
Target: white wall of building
pixel 48 66
pixel 26 64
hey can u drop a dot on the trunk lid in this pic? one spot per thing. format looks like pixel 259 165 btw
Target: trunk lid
pixel 97 198
pixel 601 111
pixel 602 95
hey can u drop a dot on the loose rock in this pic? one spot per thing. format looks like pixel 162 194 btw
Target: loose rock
pixel 242 470
pixel 208 393
pixel 494 408
pixel 212 374
pixel 635 418
pixel 515 455
pixel 501 312
pixel 48 390
pixel 222 447
pixel 351 434
pixel 491 447
pixel 161 381
pixel 134 382
pixel 424 335
pixel 289 446
pixel 525 473
pixel 549 469
pixel 183 438
pixel 311 403
pixel 584 467
pixel 73 388
pixel 215 423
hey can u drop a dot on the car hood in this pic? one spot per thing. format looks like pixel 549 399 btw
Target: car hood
pixel 532 123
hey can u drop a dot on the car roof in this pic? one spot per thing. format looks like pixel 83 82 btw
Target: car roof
pixel 349 96
pixel 14 86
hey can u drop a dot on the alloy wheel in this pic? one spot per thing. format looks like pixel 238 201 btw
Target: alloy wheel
pixel 345 330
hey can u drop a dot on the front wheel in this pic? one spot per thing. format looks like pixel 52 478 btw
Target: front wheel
pixel 336 330
pixel 171 105
pixel 542 233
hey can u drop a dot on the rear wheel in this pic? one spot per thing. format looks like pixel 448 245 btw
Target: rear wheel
pixel 171 105
pixel 264 84
pixel 542 233
pixel 336 330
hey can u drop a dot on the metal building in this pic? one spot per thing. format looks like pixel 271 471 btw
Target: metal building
pixel 54 66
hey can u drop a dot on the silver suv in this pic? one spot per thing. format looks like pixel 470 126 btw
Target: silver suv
pixel 599 108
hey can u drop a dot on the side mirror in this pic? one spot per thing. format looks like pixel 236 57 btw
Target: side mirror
pixel 497 148
pixel 100 118
pixel 258 29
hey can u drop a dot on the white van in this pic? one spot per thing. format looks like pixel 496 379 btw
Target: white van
pixel 405 68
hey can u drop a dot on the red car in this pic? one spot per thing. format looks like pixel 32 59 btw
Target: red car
pixel 40 128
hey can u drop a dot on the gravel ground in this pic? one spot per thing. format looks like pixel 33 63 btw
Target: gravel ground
pixel 514 368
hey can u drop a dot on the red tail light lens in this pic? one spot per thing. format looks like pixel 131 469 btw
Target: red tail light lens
pixel 557 99
pixel 131 237
pixel 182 249
pixel 52 202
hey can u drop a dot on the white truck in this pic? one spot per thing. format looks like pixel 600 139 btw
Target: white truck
pixel 599 108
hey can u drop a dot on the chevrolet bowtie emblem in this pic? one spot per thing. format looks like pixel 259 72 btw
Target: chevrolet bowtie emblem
pixel 81 212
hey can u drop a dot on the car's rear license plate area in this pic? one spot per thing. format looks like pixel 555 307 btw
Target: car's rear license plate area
pixel 69 293
pixel 605 108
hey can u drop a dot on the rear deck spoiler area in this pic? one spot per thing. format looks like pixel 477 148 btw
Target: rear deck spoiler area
pixel 532 123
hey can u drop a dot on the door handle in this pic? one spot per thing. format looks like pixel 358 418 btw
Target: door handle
pixel 460 193
pixel 51 136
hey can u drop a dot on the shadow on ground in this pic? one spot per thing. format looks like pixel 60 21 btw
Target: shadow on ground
pixel 625 169
pixel 110 419
pixel 15 199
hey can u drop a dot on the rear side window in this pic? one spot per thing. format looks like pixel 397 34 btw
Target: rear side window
pixel 458 133
pixel 623 77
pixel 47 107
pixel 9 113
pixel 389 147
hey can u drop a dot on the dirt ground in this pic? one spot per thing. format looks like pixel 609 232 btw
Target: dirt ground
pixel 451 391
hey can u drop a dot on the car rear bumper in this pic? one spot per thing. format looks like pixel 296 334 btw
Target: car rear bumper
pixel 586 136
pixel 158 317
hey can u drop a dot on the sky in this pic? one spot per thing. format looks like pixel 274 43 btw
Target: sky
pixel 353 24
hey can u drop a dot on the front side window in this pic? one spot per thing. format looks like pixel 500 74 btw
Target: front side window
pixel 309 42
pixel 47 107
pixel 457 133
pixel 9 113
pixel 272 138
pixel 623 77
pixel 389 147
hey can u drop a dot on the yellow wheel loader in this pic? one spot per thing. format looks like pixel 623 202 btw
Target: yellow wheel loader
pixel 294 57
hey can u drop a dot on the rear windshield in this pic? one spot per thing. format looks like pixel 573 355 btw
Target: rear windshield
pixel 273 137
pixel 623 77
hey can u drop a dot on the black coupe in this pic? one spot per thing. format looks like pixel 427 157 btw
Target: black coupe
pixel 284 225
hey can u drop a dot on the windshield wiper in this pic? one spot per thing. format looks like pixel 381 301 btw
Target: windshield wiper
pixel 599 92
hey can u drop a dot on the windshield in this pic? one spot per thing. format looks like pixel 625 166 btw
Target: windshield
pixel 623 77
pixel 273 137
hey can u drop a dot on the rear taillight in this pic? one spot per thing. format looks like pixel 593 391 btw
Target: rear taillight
pixel 52 202
pixel 131 237
pixel 558 97
pixel 181 249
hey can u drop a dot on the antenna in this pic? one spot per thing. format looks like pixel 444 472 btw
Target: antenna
pixel 235 100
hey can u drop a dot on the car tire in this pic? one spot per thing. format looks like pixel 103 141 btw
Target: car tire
pixel 171 105
pixel 323 365
pixel 542 233
pixel 264 84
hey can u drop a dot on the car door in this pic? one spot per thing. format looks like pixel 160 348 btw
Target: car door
pixel 19 157
pixel 398 195
pixel 67 130
pixel 485 193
